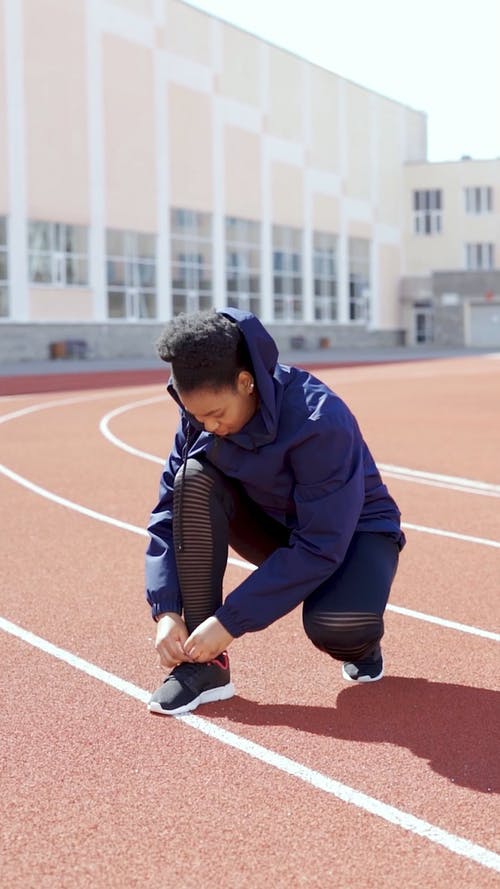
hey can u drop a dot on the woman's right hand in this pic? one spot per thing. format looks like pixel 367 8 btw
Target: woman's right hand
pixel 171 633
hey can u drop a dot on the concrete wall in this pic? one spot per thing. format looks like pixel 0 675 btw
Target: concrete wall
pixel 31 341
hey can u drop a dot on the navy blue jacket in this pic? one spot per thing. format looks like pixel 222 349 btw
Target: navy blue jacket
pixel 302 458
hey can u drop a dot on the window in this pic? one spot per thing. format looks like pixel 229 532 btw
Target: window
pixel 287 273
pixel 58 254
pixel 325 276
pixel 478 199
pixel 359 279
pixel 131 274
pixel 479 257
pixel 427 209
pixel 191 248
pixel 243 264
pixel 4 269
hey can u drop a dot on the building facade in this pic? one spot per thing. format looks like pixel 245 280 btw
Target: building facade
pixel 159 160
pixel 450 289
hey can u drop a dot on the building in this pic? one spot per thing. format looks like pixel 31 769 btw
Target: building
pixel 450 289
pixel 160 160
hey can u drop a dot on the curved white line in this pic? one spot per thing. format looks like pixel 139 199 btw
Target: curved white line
pixel 436 479
pixel 118 442
pixel 402 473
pixel 126 526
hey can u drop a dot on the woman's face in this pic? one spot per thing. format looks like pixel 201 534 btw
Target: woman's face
pixel 223 411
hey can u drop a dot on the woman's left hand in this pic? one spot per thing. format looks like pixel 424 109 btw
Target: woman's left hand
pixel 207 641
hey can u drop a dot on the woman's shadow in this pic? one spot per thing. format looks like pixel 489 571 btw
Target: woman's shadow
pixel 454 727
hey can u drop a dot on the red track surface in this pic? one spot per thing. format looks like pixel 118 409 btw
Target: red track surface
pixel 99 793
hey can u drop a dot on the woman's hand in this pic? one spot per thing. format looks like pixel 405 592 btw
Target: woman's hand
pixel 207 641
pixel 171 634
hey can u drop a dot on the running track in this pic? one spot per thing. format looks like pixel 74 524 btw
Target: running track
pixel 300 780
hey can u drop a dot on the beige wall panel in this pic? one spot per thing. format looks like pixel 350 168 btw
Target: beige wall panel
pixel 129 135
pixel 416 135
pixel 326 213
pixel 242 172
pixel 190 132
pixel 390 153
pixel 285 95
pixel 140 7
pixel 56 103
pixel 358 133
pixel 356 228
pixel 389 258
pixel 240 77
pixel 4 195
pixel 287 195
pixel 60 305
pixel 323 152
pixel 189 32
pixel 446 250
pixel 427 254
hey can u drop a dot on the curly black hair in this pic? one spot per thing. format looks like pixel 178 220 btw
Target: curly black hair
pixel 205 350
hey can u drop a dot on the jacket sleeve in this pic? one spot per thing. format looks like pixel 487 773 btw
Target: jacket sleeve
pixel 327 464
pixel 162 584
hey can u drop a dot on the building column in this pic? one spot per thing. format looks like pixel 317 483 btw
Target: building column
pixel 16 158
pixel 97 180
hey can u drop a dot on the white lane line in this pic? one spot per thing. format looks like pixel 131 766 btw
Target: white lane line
pixel 126 526
pixel 402 477
pixel 118 442
pixel 409 612
pixel 436 480
pixel 404 820
pixel 453 535
pixel 74 399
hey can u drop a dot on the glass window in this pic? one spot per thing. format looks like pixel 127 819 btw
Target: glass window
pixel 243 267
pixel 287 273
pixel 359 279
pixel 325 276
pixel 479 257
pixel 427 211
pixel 478 199
pixel 131 274
pixel 191 260
pixel 58 254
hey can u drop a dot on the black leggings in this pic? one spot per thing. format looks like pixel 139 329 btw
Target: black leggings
pixel 343 616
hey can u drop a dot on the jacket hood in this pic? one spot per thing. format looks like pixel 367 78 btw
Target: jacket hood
pixel 262 428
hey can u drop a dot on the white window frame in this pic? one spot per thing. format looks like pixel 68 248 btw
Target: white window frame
pixel 288 305
pixel 243 264
pixel 359 281
pixel 478 199
pixel 53 260
pixel 191 251
pixel 479 256
pixel 325 247
pixel 139 298
pixel 4 281
pixel 427 217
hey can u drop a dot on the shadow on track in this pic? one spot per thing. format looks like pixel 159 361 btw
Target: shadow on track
pixel 454 727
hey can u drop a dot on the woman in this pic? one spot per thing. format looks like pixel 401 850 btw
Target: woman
pixel 268 460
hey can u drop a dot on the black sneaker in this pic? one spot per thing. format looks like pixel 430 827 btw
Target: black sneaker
pixel 189 685
pixel 368 670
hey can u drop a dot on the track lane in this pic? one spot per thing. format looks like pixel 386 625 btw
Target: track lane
pixel 280 684
pixel 70 608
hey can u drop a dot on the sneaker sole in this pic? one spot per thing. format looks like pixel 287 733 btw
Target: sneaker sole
pixel 223 693
pixel 362 678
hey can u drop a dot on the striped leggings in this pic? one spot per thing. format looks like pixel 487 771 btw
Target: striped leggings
pixel 342 617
